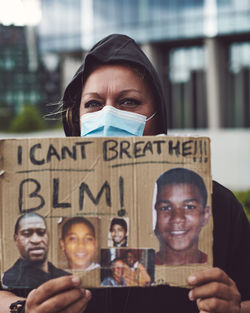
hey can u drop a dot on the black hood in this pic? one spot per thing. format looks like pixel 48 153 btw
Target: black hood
pixel 114 48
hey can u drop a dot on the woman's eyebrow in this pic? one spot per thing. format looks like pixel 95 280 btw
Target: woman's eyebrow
pixel 92 94
pixel 125 91
pixel 121 93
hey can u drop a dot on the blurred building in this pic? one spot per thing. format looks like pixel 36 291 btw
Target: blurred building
pixel 25 79
pixel 200 47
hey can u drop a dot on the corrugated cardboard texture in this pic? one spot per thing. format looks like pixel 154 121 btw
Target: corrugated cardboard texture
pixel 99 179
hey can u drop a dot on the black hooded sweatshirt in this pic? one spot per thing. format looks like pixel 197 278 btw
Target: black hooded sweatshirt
pixel 231 246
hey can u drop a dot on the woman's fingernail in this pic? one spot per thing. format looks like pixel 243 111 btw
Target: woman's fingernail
pixel 83 290
pixel 191 279
pixel 75 280
pixel 87 294
pixel 190 295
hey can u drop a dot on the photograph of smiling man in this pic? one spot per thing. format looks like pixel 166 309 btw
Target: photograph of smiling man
pixel 118 232
pixel 179 213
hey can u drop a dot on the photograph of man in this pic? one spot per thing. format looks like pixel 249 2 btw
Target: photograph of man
pixel 135 274
pixel 32 268
pixel 180 211
pixel 118 230
pixel 116 276
pixel 79 244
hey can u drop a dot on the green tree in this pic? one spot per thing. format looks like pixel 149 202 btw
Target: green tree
pixel 27 121
pixel 244 198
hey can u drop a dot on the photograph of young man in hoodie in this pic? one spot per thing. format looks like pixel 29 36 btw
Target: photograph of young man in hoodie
pixel 180 211
pixel 117 79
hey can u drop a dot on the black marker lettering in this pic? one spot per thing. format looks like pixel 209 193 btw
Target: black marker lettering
pixel 138 150
pixel 195 151
pixel 205 151
pixel 173 148
pixel 19 155
pixel 195 147
pixel 109 145
pixel 187 147
pixel 124 146
pixel 52 152
pixel 158 144
pixel 34 194
pixel 32 155
pixel 148 147
pixel 82 145
pixel 55 196
pixel 121 188
pixel 85 188
pixel 205 147
pixel 201 147
pixel 66 151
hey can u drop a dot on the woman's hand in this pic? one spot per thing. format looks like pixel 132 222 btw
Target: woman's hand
pixel 58 295
pixel 214 291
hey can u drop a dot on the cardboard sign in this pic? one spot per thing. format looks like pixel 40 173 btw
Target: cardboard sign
pixel 117 211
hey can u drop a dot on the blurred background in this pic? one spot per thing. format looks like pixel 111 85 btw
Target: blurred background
pixel 201 49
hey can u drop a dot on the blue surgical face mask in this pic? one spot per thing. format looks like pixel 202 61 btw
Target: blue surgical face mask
pixel 112 122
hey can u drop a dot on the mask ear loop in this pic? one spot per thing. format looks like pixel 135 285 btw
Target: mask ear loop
pixel 149 118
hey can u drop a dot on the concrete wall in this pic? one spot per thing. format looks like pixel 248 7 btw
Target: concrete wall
pixel 230 150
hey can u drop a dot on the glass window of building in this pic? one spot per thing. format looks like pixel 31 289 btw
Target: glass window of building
pixel 238 113
pixel 186 91
pixel 233 16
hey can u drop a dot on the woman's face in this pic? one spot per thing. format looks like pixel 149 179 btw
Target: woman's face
pixel 121 87
pixel 79 246
pixel 118 270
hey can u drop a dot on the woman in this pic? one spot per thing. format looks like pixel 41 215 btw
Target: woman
pixel 115 56
pixel 117 271
pixel 116 73
pixel 78 242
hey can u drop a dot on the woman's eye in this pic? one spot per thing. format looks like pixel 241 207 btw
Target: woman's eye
pixel 92 104
pixel 129 102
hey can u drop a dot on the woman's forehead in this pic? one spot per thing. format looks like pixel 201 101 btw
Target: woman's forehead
pixel 116 75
